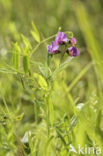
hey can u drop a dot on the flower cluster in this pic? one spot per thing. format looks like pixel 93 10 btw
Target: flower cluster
pixel 62 39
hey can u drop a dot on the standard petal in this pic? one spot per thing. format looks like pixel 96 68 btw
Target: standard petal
pixel 55 46
pixel 61 37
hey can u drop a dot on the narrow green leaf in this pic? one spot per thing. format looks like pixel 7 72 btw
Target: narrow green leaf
pixel 35 33
pixel 35 36
pixel 41 81
pixel 28 46
pixel 61 137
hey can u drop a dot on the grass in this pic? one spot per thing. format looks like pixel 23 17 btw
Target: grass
pixel 49 104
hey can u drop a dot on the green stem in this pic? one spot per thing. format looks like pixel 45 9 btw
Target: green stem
pixel 36 112
pixel 62 55
pixel 47 115
pixel 49 112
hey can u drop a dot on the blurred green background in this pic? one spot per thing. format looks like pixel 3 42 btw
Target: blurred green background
pixel 84 76
pixel 16 17
pixel 83 18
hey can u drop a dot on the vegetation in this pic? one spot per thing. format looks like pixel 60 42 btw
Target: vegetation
pixel 50 104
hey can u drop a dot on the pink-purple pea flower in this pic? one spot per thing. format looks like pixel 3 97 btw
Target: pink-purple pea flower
pixel 73 40
pixel 73 51
pixel 52 49
pixel 61 38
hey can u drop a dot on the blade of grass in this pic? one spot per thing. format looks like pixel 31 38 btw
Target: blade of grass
pixel 90 39
pixel 79 76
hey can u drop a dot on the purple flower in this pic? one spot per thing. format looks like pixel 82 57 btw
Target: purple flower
pixel 73 40
pixel 52 49
pixel 61 38
pixel 73 51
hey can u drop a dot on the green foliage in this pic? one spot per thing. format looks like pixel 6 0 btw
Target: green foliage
pixel 35 33
pixel 26 64
pixel 28 46
pixel 92 43
pixel 48 103
pixel 41 81
pixel 16 56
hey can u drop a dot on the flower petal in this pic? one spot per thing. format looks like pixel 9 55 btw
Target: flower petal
pixel 74 41
pixel 73 51
pixel 61 37
pixel 55 46
pixel 49 48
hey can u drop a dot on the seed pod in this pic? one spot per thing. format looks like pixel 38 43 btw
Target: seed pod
pixel 26 65
pixel 16 56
